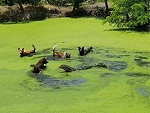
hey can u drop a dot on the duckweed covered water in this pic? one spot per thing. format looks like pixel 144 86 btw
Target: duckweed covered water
pixel 96 90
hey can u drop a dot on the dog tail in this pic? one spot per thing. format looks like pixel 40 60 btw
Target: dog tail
pixel 53 49
pixel 33 48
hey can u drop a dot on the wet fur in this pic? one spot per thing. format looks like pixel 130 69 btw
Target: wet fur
pixel 27 52
pixel 84 51
pixel 60 54
pixel 39 66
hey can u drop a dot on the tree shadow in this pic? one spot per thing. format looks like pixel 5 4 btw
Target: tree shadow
pixel 20 22
pixel 128 30
pixel 9 23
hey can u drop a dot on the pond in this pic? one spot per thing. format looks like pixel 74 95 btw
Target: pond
pixel 122 87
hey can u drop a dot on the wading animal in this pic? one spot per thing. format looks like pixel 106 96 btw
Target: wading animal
pixel 84 51
pixel 27 52
pixel 59 54
pixel 68 68
pixel 39 66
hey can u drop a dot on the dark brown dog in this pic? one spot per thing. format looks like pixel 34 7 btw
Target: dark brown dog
pixel 39 66
pixel 84 51
pixel 36 69
pixel 27 52
pixel 60 54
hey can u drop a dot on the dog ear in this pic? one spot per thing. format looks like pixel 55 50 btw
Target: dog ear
pixel 79 48
pixel 82 49
pixel 19 50
pixel 22 49
pixel 32 65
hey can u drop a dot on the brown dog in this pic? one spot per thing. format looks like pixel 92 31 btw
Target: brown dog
pixel 60 54
pixel 39 66
pixel 27 52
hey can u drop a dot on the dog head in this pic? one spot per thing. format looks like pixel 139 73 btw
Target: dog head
pixel 68 55
pixel 44 61
pixel 79 48
pixel 81 51
pixel 91 49
pixel 21 51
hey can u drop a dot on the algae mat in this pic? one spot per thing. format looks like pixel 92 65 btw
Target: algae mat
pixel 95 90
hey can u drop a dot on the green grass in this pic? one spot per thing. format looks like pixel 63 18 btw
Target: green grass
pixel 118 93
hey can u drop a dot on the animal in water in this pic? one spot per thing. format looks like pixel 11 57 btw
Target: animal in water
pixel 101 65
pixel 41 65
pixel 68 68
pixel 24 53
pixel 84 51
pixel 60 54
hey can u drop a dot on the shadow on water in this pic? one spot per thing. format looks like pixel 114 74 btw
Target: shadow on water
pixel 107 75
pixel 115 56
pixel 45 51
pixel 116 65
pixel 54 82
pixel 142 60
pixel 144 91
pixel 38 20
pixel 37 57
pixel 131 74
pixel 142 63
pixel 94 62
pixel 11 23
pixel 139 52
pixel 128 30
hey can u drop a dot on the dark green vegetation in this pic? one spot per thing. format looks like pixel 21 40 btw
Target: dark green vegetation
pixel 123 13
pixel 123 88
pixel 131 13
